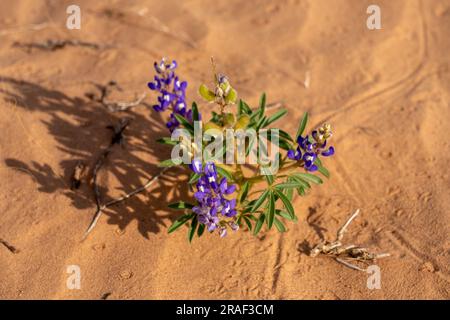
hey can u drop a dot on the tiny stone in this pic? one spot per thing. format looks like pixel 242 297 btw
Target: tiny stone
pixel 428 266
pixel 126 274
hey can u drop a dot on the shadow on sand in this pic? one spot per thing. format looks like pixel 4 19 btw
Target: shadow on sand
pixel 79 126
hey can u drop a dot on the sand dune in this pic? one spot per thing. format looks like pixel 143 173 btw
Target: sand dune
pixel 386 93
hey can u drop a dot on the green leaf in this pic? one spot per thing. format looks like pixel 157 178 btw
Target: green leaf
pixel 181 205
pixel 169 163
pixel 285 215
pixel 259 224
pixel 260 201
pixel 248 222
pixel 308 177
pixel 224 173
pixel 180 221
pixel 287 204
pixel 262 105
pixel 289 194
pixel 167 140
pixel 260 123
pixel 279 225
pixel 200 230
pixel 194 177
pixel 192 228
pixel 184 122
pixel 271 210
pixel 288 185
pixel 207 94
pixel 269 178
pixel 302 125
pixel 277 115
pixel 244 191
pixel 244 108
pixel 283 134
pixel 195 113
pixel 325 172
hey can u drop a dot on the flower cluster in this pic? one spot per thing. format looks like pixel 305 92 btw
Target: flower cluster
pixel 213 207
pixel 310 147
pixel 172 92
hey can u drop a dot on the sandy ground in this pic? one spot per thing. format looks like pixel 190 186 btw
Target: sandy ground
pixel 386 93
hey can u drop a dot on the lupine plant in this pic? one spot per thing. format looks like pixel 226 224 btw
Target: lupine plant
pixel 225 196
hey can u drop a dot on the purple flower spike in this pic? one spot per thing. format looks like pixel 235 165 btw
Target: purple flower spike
pixel 212 204
pixel 310 147
pixel 172 92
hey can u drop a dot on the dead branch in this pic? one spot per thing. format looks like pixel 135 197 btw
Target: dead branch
pixel 8 246
pixel 53 45
pixel 346 253
pixel 114 106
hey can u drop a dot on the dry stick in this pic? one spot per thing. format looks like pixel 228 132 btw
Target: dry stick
pixel 115 106
pixel 122 105
pixel 53 45
pixel 117 138
pixel 349 252
pixel 9 247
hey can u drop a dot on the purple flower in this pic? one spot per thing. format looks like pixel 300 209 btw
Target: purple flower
pixel 172 92
pixel 212 204
pixel 310 147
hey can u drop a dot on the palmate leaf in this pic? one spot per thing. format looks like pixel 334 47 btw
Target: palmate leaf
pixel 302 125
pixel 308 177
pixel 260 200
pixel 287 204
pixel 195 113
pixel 194 177
pixel 262 105
pixel 244 191
pixel 270 213
pixel 248 222
pixel 243 108
pixel 185 122
pixel 279 225
pixel 180 221
pixel 288 185
pixel 285 215
pixel 277 115
pixel 192 228
pixel 200 230
pixel 224 173
pixel 259 224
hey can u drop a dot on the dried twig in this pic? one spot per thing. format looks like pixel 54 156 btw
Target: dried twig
pixel 345 253
pixel 116 139
pixel 114 106
pixel 53 45
pixel 122 105
pixel 9 246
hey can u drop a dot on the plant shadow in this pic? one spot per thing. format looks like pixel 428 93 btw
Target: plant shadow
pixel 79 127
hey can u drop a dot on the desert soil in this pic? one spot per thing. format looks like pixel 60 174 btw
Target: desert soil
pixel 386 93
